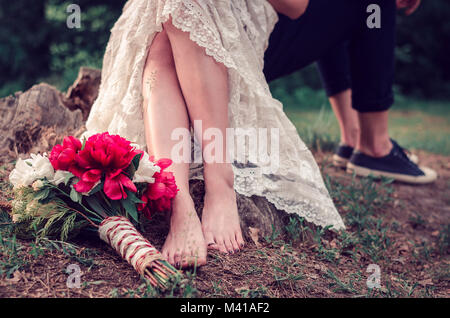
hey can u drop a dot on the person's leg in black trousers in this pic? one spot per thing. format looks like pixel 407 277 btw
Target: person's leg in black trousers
pixel 325 25
pixel 334 70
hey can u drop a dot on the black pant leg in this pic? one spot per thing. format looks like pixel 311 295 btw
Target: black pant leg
pixel 328 23
pixel 295 44
pixel 372 56
pixel 334 70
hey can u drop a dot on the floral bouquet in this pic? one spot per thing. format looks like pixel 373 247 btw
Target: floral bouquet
pixel 103 183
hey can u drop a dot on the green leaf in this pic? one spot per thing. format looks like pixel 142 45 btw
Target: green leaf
pixel 136 161
pixel 84 143
pixel 49 198
pixel 134 165
pixel 67 178
pixel 116 207
pixel 130 208
pixel 42 194
pixel 96 205
pixel 97 188
pixel 133 197
pixel 74 195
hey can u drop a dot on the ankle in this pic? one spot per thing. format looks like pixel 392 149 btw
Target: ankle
pixel 375 148
pixel 182 198
pixel 218 177
pixel 350 137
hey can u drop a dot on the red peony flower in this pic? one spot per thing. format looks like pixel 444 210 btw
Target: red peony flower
pixel 108 155
pixel 62 156
pixel 158 196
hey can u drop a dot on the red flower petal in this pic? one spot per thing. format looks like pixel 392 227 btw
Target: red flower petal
pixel 127 183
pixel 92 175
pixel 164 163
pixel 114 187
pixel 83 187
pixel 156 191
pixel 76 170
pixel 72 142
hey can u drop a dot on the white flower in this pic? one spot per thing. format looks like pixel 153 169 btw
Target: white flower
pixel 60 177
pixel 29 170
pixel 146 170
pixel 37 185
pixel 16 218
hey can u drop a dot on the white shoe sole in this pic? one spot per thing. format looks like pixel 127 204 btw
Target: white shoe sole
pixel 413 157
pixel 339 161
pixel 429 177
pixel 342 162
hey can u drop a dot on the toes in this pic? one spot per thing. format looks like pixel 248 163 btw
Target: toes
pixel 239 239
pixel 216 244
pixel 235 244
pixel 195 258
pixel 170 258
pixel 165 254
pixel 229 246
pixel 187 261
pixel 201 258
pixel 218 247
pixel 177 258
pixel 209 239
pixel 221 246
pixel 194 261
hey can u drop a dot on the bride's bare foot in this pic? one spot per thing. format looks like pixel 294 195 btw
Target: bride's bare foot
pixel 184 245
pixel 220 219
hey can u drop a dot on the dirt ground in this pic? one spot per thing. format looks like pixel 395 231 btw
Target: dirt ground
pixel 406 235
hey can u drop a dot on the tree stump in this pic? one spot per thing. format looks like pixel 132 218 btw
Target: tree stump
pixel 84 91
pixel 34 121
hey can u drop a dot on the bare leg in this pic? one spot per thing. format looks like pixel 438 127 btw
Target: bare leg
pixel 347 117
pixel 204 84
pixel 164 111
pixel 374 138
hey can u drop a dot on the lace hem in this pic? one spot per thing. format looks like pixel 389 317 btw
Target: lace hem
pixel 318 214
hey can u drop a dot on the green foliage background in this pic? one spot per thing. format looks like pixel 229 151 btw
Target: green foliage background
pixel 36 45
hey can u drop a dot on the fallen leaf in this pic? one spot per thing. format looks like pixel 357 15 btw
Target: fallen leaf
pixel 333 244
pixel 254 235
pixel 15 279
pixel 426 282
pixel 401 260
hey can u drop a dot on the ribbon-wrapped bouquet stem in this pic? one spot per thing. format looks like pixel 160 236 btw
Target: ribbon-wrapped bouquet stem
pixel 103 183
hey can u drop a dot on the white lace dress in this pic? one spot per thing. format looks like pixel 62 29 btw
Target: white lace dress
pixel 235 33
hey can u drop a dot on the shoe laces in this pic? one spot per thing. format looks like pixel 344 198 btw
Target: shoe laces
pixel 401 153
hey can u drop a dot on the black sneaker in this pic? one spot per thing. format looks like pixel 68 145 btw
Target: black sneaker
pixel 343 153
pixel 396 165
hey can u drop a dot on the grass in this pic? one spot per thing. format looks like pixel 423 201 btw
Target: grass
pixel 415 124
pixel 299 260
pixel 284 257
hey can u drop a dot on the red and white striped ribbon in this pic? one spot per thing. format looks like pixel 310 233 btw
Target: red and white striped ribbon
pixel 120 233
